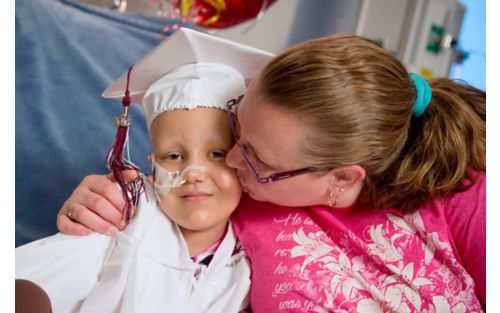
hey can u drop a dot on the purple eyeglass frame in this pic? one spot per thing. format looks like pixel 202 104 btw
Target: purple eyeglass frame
pixel 266 179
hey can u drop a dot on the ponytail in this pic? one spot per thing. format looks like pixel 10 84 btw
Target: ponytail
pixel 444 145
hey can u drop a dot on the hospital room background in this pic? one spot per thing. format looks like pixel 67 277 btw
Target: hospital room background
pixel 68 51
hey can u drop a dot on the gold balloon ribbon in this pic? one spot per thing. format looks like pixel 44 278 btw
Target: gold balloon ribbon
pixel 219 6
pixel 185 6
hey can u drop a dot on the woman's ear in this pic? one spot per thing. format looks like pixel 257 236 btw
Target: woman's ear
pixel 345 185
pixel 150 158
pixel 348 176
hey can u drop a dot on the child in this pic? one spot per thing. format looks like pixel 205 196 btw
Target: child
pixel 179 253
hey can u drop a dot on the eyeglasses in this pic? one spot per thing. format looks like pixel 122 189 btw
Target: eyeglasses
pixel 248 154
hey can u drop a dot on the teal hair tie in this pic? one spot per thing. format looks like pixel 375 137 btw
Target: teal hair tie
pixel 424 94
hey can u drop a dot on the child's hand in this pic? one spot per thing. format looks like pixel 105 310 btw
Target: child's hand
pixel 96 204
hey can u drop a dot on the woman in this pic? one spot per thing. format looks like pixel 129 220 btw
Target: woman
pixel 372 183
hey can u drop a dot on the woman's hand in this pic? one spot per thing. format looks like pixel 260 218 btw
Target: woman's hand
pixel 95 205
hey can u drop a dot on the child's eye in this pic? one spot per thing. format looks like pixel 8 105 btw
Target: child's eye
pixel 217 154
pixel 174 156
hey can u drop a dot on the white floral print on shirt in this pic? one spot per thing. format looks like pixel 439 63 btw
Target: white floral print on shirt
pixel 397 267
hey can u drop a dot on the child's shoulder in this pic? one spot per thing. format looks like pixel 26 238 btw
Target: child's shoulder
pixel 146 213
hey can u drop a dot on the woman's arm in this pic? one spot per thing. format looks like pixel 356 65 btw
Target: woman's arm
pixel 95 205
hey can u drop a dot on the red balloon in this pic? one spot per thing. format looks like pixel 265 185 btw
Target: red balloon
pixel 220 13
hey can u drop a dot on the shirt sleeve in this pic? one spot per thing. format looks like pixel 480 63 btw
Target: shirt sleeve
pixel 65 267
pixel 466 214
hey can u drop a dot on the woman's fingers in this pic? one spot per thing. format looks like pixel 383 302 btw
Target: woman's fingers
pixel 84 218
pixel 96 204
pixel 129 175
pixel 105 198
pixel 67 226
pixel 113 194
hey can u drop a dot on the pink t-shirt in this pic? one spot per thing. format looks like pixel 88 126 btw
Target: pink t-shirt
pixel 319 259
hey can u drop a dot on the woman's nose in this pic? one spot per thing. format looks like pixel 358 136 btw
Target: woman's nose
pixel 234 158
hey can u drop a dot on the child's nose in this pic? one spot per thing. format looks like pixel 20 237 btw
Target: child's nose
pixel 193 175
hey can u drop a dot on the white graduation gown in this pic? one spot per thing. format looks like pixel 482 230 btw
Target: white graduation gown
pixel 145 268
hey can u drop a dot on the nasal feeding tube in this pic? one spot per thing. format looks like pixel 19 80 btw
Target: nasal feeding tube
pixel 165 180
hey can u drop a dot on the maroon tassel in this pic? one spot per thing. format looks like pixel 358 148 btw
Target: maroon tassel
pixel 116 163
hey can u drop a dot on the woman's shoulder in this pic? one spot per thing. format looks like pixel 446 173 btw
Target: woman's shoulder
pixel 258 217
pixel 466 207
pixel 253 211
pixel 473 191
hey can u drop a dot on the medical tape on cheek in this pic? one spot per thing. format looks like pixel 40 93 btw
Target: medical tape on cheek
pixel 166 180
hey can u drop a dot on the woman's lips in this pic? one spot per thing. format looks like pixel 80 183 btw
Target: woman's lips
pixel 245 189
pixel 242 179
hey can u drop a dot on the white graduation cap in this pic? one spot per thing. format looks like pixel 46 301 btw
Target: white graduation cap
pixel 187 70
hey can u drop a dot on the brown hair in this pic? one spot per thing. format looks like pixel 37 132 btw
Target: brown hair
pixel 356 101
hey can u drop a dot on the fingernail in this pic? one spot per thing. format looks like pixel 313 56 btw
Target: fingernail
pixel 112 231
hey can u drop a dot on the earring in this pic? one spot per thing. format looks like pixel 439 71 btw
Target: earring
pixel 330 202
pixel 333 202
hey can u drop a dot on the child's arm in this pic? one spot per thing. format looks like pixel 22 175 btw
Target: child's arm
pixel 65 267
